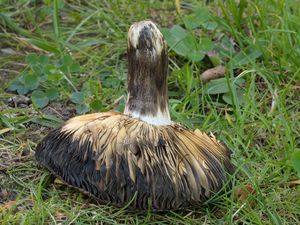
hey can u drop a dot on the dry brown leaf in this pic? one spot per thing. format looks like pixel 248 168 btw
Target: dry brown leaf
pixel 294 183
pixel 4 130
pixel 7 205
pixel 58 181
pixel 244 195
pixel 4 193
pixel 213 73
pixel 60 216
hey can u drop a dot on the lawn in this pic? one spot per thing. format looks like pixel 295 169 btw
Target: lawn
pixel 63 58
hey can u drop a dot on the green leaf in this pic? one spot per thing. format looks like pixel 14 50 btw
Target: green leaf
pixel 37 68
pixel 225 47
pixel 240 97
pixel 296 162
pixel 77 97
pixel 197 18
pixel 215 59
pixel 93 87
pixel 121 106
pixel 68 65
pixel 82 108
pixel 195 55
pixel 39 98
pixel 75 67
pixel 191 21
pixel 67 60
pixel 31 59
pixel 96 105
pixel 55 77
pixel 17 85
pixel 185 44
pixel 219 86
pixel 175 37
pixel 202 14
pixel 61 4
pixel 205 44
pixel 43 59
pixel 210 25
pixel 52 93
pixel 14 85
pixel 250 54
pixel 31 81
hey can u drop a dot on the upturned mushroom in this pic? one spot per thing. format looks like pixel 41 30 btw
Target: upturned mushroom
pixel 139 155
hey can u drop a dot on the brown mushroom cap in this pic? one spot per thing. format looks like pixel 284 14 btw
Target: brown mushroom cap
pixel 113 157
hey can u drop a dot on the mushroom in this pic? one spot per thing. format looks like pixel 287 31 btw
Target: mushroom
pixel 139 155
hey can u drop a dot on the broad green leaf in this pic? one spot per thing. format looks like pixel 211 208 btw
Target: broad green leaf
pixel 96 105
pixel 219 86
pixel 17 85
pixel 31 81
pixel 202 14
pixel 215 59
pixel 14 85
pixel 296 162
pixel 55 77
pixel 22 90
pixel 43 59
pixel 210 25
pixel 67 64
pixel 67 60
pixel 121 106
pixel 52 93
pixel 75 67
pixel 94 87
pixel 250 54
pixel 82 108
pixel 205 44
pixel 44 11
pixel 77 97
pixel 225 47
pixel 196 55
pixel 175 37
pixel 39 98
pixel 185 44
pixel 31 59
pixel 191 21
pixel 240 97
pixel 61 4
pixel 194 50
pixel 37 68
pixel 197 18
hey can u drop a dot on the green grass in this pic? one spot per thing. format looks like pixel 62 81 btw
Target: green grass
pixel 259 119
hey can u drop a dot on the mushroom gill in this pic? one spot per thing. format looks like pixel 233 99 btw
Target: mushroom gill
pixel 141 153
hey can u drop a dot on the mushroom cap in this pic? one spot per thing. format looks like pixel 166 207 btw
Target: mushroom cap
pixel 115 158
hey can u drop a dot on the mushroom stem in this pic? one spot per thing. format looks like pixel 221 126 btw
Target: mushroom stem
pixel 147 74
